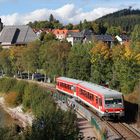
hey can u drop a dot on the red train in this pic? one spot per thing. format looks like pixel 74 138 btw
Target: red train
pixel 104 101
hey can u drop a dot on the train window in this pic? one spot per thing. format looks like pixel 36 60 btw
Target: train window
pixel 88 95
pixel 91 97
pixel 117 101
pixel 100 102
pixel 96 100
pixel 113 101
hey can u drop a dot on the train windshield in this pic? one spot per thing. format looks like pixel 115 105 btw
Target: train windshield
pixel 109 101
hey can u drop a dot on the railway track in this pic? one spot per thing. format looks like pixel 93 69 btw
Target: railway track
pixel 123 132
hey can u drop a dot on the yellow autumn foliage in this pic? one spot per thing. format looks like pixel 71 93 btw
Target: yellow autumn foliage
pixel 100 50
pixel 128 52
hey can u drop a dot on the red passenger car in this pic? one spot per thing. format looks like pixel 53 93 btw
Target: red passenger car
pixel 104 101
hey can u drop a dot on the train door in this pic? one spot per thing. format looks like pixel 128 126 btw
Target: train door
pixel 73 88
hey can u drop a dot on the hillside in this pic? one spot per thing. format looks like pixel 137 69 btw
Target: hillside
pixel 123 20
pixel 126 18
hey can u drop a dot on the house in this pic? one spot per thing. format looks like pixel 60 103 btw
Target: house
pixel 74 37
pixel 16 36
pixel 104 38
pixel 60 34
pixel 84 36
pixel 87 35
pixel 39 31
pixel 122 38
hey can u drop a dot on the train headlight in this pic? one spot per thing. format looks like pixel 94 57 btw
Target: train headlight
pixel 106 111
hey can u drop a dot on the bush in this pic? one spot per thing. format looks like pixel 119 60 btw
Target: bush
pixel 19 88
pixel 7 84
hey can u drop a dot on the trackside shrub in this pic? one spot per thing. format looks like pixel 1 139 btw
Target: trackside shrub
pixel 7 84
pixel 19 88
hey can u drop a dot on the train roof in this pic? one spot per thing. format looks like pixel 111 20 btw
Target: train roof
pixel 69 80
pixel 93 87
pixel 100 89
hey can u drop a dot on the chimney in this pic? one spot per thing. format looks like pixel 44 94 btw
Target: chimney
pixel 1 25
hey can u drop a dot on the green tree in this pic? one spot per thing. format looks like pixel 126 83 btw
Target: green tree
pixel 54 57
pixel 135 36
pixel 49 37
pixel 5 62
pixel 114 30
pixel 69 26
pixel 95 27
pixel 30 57
pixel 79 62
pixel 126 68
pixel 101 71
pixel 51 18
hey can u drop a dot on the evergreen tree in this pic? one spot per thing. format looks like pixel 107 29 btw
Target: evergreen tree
pixel 51 18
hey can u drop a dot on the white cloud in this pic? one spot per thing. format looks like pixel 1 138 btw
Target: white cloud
pixel 67 13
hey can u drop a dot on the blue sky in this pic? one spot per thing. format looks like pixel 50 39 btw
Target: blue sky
pixel 23 11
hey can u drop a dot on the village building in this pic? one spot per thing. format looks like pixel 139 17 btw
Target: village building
pixel 74 37
pixel 16 36
pixel 122 38
pixel 108 39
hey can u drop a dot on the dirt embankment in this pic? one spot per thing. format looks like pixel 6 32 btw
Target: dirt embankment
pixel 17 113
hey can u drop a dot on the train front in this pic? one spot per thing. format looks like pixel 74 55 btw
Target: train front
pixel 114 106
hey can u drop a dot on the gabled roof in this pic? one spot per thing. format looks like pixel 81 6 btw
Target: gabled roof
pixel 60 31
pixel 103 37
pixel 124 37
pixel 75 34
pixel 20 34
pixel 87 32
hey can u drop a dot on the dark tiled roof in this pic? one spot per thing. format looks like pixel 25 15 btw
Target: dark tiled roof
pixel 87 32
pixel 104 37
pixel 21 34
pixel 124 37
pixel 75 34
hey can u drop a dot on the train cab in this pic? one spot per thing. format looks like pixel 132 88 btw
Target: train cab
pixel 114 105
